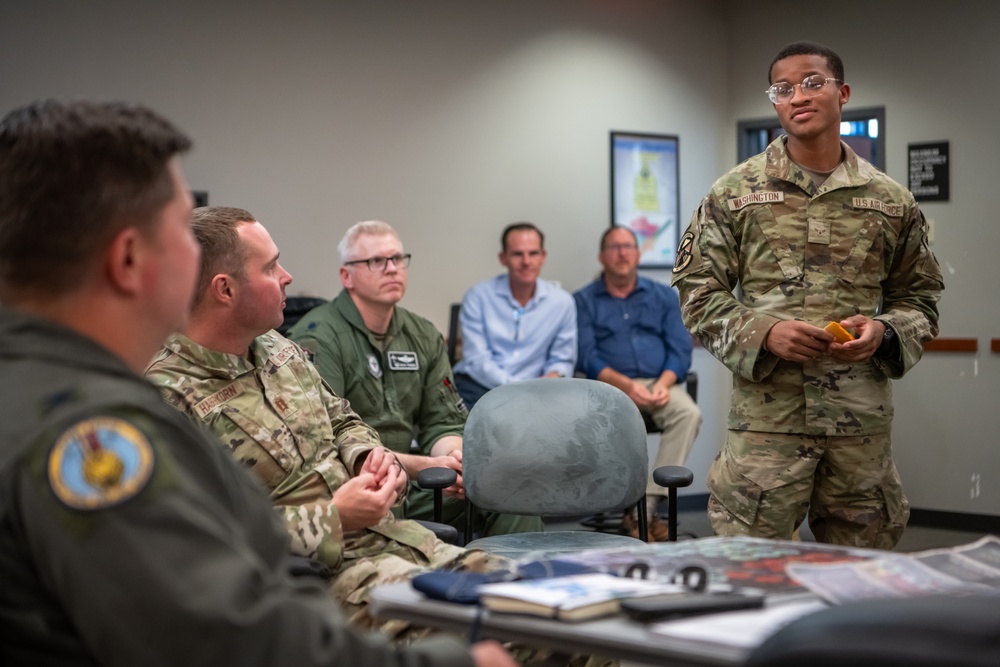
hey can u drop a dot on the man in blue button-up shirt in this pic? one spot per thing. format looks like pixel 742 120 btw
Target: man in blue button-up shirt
pixel 515 326
pixel 631 336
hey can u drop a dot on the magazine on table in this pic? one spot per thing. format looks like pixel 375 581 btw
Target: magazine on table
pixel 967 569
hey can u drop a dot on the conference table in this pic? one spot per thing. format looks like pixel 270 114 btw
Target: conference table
pixel 750 562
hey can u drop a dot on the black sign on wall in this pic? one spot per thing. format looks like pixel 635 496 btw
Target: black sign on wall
pixel 929 171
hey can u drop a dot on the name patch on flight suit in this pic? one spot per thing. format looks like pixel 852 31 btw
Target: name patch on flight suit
pixel 403 361
pixel 99 462
pixel 891 210
pixel 768 197
pixel 206 405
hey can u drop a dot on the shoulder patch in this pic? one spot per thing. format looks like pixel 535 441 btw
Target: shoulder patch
pixel 98 463
pixel 684 252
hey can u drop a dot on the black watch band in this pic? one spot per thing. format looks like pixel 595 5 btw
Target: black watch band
pixel 887 347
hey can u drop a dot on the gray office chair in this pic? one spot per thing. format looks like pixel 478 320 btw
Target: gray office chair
pixel 554 447
pixel 613 522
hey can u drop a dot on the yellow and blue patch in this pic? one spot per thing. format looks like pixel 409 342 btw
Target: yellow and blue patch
pixel 99 462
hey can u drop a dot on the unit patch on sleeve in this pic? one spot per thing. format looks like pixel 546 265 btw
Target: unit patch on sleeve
pixel 99 462
pixel 684 252
pixel 403 361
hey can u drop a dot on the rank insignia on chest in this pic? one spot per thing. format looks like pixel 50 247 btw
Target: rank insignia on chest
pixel 403 361
pixel 99 462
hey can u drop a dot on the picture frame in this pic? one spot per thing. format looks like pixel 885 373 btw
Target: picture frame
pixel 645 187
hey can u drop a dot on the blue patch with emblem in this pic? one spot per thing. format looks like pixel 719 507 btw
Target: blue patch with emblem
pixel 99 463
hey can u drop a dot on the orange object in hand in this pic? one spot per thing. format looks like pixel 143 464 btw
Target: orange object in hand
pixel 841 334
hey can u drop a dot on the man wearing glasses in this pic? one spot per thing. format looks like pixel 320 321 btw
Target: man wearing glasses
pixel 515 326
pixel 632 337
pixel 806 234
pixel 392 366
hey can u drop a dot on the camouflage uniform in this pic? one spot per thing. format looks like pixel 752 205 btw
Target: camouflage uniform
pixel 402 386
pixel 277 417
pixel 178 561
pixel 791 250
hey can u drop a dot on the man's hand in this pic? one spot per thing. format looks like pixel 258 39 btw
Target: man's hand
pixel 798 341
pixel 378 462
pixel 648 399
pixel 869 335
pixel 491 654
pixel 362 501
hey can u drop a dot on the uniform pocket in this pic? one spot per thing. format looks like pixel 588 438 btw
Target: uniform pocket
pixel 739 494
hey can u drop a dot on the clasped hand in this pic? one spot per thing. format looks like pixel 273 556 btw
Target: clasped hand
pixel 799 341
pixel 364 500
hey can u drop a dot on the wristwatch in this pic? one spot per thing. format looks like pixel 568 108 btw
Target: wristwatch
pixel 887 348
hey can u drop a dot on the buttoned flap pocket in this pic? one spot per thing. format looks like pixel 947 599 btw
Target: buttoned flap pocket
pixel 868 255
pixel 778 247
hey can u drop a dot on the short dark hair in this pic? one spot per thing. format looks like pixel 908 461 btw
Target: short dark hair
pixel 520 227
pixel 222 249
pixel 72 176
pixel 607 233
pixel 810 49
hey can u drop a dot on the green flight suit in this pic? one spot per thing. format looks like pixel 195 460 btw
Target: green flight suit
pixel 402 386
pixel 175 557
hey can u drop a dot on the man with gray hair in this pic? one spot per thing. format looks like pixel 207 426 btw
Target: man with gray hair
pixel 393 368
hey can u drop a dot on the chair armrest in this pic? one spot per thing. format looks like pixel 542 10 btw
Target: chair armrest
pixel 442 531
pixel 436 478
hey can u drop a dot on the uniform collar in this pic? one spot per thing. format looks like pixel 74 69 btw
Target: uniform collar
pixel 345 306
pixel 851 172
pixel 224 364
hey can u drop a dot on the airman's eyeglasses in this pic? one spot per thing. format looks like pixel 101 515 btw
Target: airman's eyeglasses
pixel 380 263
pixel 811 86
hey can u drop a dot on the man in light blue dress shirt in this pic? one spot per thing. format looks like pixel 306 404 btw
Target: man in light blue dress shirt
pixel 515 326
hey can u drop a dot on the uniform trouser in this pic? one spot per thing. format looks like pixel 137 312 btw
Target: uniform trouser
pixel 679 421
pixel 764 485
pixel 353 584
pixel 420 506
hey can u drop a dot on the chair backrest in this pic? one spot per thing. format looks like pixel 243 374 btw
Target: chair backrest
pixel 454 354
pixel 295 308
pixel 554 447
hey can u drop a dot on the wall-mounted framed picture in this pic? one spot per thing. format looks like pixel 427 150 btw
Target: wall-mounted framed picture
pixel 645 183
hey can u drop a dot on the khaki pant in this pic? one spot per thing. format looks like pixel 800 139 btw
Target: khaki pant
pixel 764 485
pixel 679 420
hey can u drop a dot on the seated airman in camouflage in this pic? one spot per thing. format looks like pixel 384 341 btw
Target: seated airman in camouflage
pixel 326 469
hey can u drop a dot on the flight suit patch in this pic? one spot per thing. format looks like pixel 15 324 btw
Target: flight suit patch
pixel 98 463
pixel 403 361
